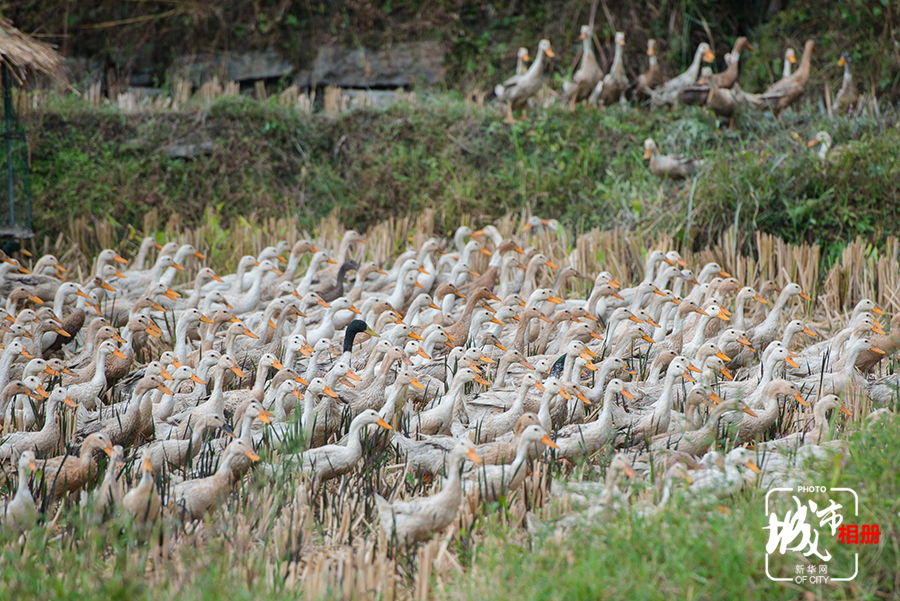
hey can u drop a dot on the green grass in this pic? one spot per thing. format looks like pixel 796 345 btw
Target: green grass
pixel 700 552
pixel 584 168
pixel 245 551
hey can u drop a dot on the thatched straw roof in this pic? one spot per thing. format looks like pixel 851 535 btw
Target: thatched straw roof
pixel 26 57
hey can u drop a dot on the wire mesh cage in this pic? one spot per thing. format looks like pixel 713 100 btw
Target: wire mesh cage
pixel 15 172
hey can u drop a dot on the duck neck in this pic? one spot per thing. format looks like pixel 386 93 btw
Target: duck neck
pixel 537 67
pixel 181 344
pixel 544 411
pixel 805 63
pixel 617 60
pixel 306 282
pixel 99 379
pixel 23 493
pixel 694 69
pixel 307 420
pixel 452 484
pixel 700 332
pixel 225 467
pixel 354 444
pixel 59 302
pixel 502 371
pixel 519 404
pixel 663 408
pixel 246 435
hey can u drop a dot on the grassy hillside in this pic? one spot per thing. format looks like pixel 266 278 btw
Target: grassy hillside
pixel 584 168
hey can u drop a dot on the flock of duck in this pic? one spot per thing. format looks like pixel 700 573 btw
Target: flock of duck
pixel 720 93
pixel 465 375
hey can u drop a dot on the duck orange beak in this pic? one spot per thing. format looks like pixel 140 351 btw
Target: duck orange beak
pixel 238 372
pixel 119 259
pixel 383 424
pixel 416 384
pixel 708 56
pixel 328 391
pixel 804 296
pixel 808 332
pixel 753 467
pixel 547 441
pixel 790 361
pixel 844 410
pixel 415 336
pixel 800 400
pixel 723 356
pixel 646 153
pixel 482 381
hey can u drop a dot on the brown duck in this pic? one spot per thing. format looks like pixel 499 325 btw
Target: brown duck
pixel 588 74
pixel 789 91
pixel 459 331
pixel 650 78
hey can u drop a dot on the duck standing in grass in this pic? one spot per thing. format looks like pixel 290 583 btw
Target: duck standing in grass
pixel 516 90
